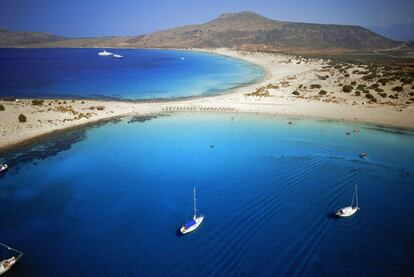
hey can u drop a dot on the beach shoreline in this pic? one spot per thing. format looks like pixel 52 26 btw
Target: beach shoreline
pixel 284 74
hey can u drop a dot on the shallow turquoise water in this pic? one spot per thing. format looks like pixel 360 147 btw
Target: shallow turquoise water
pixel 141 74
pixel 108 200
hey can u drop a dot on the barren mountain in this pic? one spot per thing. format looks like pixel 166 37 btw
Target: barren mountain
pixel 11 39
pixel 247 28
pixel 234 30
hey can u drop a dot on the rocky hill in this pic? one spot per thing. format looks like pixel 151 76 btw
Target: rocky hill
pixel 16 39
pixel 247 28
pixel 233 30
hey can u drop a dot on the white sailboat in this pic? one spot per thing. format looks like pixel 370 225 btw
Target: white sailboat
pixel 192 224
pixel 105 53
pixel 6 264
pixel 3 167
pixel 117 56
pixel 348 211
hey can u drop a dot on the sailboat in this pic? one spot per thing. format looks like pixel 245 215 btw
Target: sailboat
pixel 192 224
pixel 6 264
pixel 348 211
pixel 3 167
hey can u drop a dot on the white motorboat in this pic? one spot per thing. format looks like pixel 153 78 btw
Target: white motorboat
pixel 6 264
pixel 351 210
pixel 3 167
pixel 194 223
pixel 105 53
pixel 117 56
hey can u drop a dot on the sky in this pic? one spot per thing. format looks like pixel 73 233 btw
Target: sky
pixel 89 18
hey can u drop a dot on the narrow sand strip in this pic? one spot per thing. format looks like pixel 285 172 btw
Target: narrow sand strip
pixel 284 74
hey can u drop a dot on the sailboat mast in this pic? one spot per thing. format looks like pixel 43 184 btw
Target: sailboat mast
pixel 195 207
pixel 356 192
pixel 353 198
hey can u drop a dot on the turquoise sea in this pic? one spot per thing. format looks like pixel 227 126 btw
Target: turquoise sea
pixel 141 74
pixel 108 200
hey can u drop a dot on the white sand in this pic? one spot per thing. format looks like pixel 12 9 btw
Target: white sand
pixel 282 71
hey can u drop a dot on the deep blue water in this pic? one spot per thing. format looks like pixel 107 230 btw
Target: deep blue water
pixel 108 200
pixel 141 74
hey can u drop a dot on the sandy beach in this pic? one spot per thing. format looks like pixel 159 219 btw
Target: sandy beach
pixel 292 86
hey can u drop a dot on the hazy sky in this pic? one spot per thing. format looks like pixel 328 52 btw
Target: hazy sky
pixel 132 17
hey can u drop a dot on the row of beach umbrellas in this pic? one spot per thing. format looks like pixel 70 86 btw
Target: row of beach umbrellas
pixel 195 108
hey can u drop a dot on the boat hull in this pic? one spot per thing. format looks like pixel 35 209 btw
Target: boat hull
pixel 198 221
pixel 3 168
pixel 347 211
pixel 11 262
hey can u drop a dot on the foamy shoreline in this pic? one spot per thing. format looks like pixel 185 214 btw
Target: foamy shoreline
pixel 283 72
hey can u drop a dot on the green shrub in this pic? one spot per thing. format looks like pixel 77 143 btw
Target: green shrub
pixel 369 96
pixel 361 87
pixel 312 86
pixel 357 93
pixel 347 88
pixel 382 94
pixel 346 75
pixel 353 83
pixel 383 81
pixel 368 77
pixel 406 81
pixel 296 92
pixel 22 118
pixel 398 88
pixel 374 86
pixel 323 92
pixel 37 102
pixel 2 107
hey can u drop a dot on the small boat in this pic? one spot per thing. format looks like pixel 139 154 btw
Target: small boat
pixel 348 211
pixel 3 167
pixel 117 56
pixel 6 264
pixel 192 224
pixel 182 58
pixel 105 53
pixel 363 155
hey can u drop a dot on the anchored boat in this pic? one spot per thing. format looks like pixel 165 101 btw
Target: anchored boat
pixel 348 211
pixel 117 56
pixel 6 264
pixel 3 167
pixel 192 224
pixel 105 53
